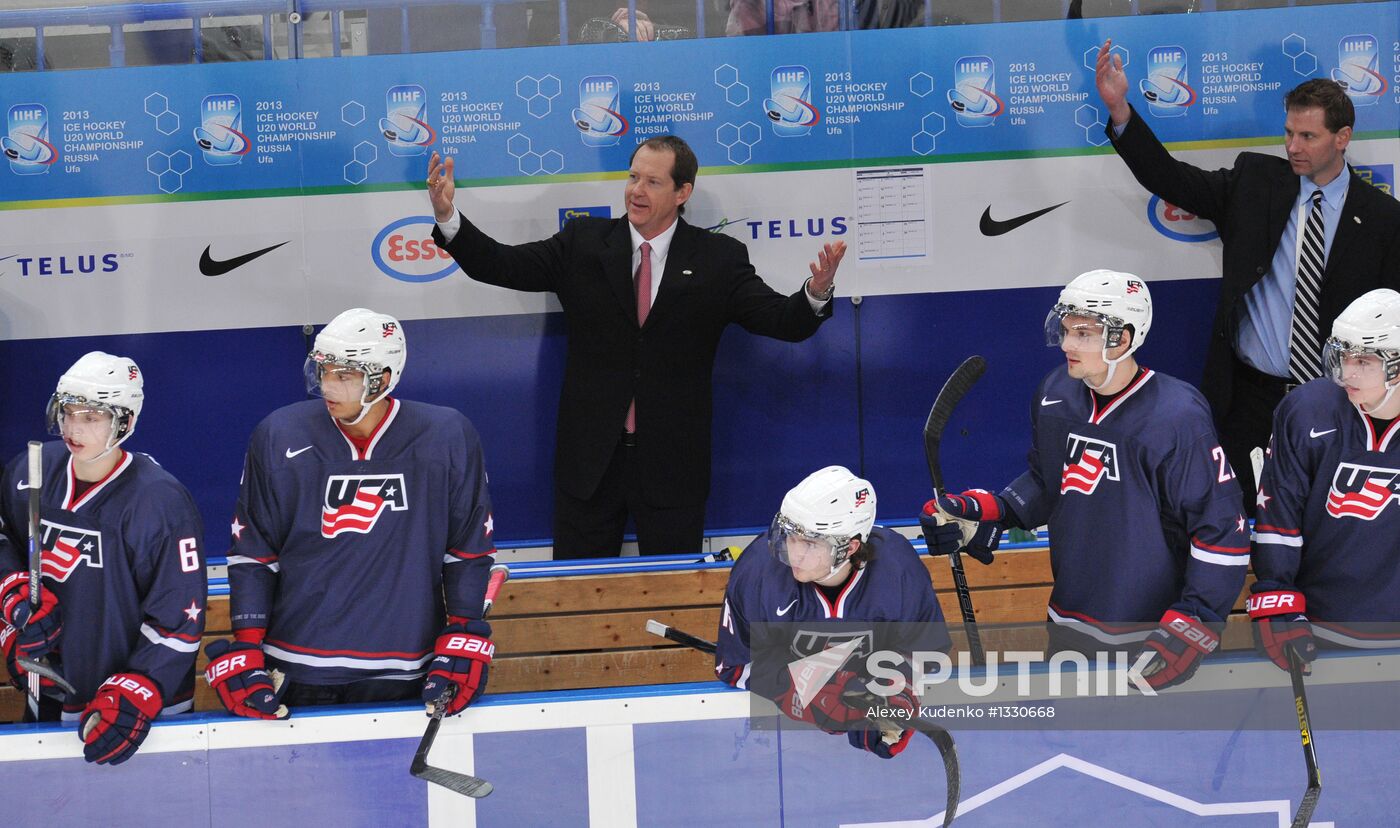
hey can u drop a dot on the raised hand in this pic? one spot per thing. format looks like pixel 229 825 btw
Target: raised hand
pixel 824 268
pixel 442 188
pixel 1112 83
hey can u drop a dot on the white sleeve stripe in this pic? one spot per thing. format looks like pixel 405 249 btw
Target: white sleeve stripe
pixel 743 682
pixel 1281 540
pixel 1217 558
pixel 235 560
pixel 173 643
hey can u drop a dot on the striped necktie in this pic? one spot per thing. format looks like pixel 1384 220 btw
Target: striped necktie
pixel 1305 339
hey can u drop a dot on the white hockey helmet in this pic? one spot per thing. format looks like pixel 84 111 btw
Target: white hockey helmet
pixel 1116 299
pixel 832 506
pixel 1369 327
pixel 107 383
pixel 362 340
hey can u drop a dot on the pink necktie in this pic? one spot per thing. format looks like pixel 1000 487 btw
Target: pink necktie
pixel 643 308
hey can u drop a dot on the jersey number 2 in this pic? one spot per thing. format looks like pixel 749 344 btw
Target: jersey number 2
pixel 1226 473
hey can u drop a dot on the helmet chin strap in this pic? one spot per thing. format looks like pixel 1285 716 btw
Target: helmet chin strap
pixel 365 406
pixel 830 579
pixel 1389 392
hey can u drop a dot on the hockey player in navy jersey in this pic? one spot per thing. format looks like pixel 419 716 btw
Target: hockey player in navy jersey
pixel 1145 515
pixel 124 587
pixel 826 565
pixel 1327 536
pixel 361 542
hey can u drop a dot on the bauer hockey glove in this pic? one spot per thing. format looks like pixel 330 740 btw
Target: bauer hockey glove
pixel 38 630
pixel 460 666
pixel 827 708
pixel 18 675
pixel 238 672
pixel 1177 645
pixel 977 524
pixel 1279 622
pixel 116 721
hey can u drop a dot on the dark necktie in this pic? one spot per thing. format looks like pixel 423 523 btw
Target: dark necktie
pixel 1305 339
pixel 643 308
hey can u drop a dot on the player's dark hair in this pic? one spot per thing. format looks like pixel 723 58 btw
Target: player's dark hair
pixel 683 167
pixel 864 554
pixel 1327 95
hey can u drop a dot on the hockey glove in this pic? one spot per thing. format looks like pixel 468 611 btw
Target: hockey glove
pixel 828 708
pixel 116 722
pixel 40 629
pixel 976 525
pixel 1279 622
pixel 886 739
pixel 1177 645
pixel 239 674
pixel 462 663
pixel 18 675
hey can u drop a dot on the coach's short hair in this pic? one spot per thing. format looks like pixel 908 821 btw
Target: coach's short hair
pixel 1327 95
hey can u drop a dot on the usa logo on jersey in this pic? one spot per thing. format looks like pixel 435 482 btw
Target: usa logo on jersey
pixel 811 642
pixel 1362 491
pixel 1087 463
pixel 354 502
pixel 67 546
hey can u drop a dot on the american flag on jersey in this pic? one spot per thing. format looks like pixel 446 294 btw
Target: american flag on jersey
pixel 355 502
pixel 64 547
pixel 1362 491
pixel 1087 463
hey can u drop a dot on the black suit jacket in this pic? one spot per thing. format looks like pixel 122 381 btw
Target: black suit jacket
pixel 665 365
pixel 1249 204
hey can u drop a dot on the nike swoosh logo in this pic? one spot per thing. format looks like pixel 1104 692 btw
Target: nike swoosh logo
pixel 23 484
pixel 1314 433
pixel 1047 401
pixel 291 454
pixel 210 266
pixel 784 610
pixel 991 227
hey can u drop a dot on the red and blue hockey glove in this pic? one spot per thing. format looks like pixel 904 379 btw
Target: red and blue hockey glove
pixel 827 708
pixel 1279 621
pixel 116 721
pixel 238 673
pixel 38 630
pixel 19 677
pixel 462 663
pixel 976 525
pixel 1178 646
pixel 886 740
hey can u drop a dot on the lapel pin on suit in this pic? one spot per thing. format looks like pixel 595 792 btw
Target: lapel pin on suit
pixel 1356 219
pixel 687 272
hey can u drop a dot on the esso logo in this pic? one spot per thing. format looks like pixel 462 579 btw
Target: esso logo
pixel 405 251
pixel 1178 224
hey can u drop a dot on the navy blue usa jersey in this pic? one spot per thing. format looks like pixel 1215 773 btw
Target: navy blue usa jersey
pixel 351 562
pixel 126 561
pixel 1328 524
pixel 1144 510
pixel 892 587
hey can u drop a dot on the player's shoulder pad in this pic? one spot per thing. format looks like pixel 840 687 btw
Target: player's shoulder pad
pixel 160 491
pixel 439 421
pixel 1318 400
pixel 290 422
pixel 1178 403
pixel 894 551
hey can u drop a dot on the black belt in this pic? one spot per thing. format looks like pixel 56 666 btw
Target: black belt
pixel 1268 382
pixel 629 439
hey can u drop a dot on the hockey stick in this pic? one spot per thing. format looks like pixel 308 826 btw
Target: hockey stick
pixel 953 391
pixel 941 738
pixel 1300 701
pixel 473 786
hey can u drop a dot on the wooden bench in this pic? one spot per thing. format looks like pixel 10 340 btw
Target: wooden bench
pixel 569 632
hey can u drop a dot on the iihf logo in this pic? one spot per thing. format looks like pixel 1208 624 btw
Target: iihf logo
pixel 789 102
pixel 598 116
pixel 354 502
pixel 1362 491
pixel 1358 69
pixel 1087 462
pixel 67 546
pixel 974 93
pixel 405 122
pixel 26 139
pixel 220 133
pixel 1167 87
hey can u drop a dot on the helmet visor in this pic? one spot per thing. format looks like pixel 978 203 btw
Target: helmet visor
pixel 1071 329
pixel 80 422
pixel 335 379
pixel 1357 367
pixel 800 549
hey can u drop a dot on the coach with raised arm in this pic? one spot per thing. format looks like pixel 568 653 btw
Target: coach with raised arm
pixel 646 300
pixel 1303 237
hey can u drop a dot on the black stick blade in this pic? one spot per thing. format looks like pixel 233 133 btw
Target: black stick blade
pixel 472 786
pixel 951 769
pixel 953 391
